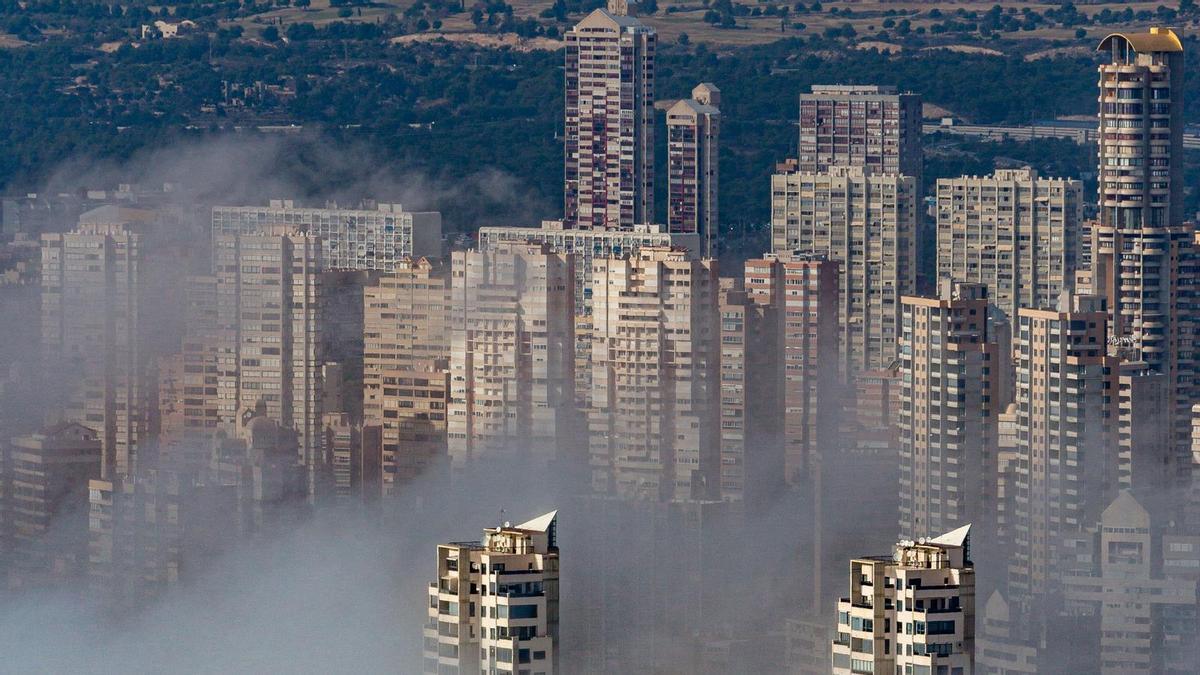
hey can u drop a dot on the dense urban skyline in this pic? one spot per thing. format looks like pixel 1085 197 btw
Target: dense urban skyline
pixel 980 392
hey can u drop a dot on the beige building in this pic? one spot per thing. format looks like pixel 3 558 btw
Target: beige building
pixel 912 611
pixel 512 358
pixel 93 328
pixel 406 367
pixel 1066 434
pixel 254 335
pixel 1144 435
pixel 609 129
pixel 269 301
pixel 655 404
pixel 43 503
pixel 861 125
pixel 586 246
pixel 495 605
pixel 868 224
pixel 371 236
pixel 1143 253
pixel 693 132
pixel 1146 615
pixel 1014 231
pixel 800 292
pixel 948 410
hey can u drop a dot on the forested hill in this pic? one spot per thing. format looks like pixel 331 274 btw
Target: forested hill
pixel 451 110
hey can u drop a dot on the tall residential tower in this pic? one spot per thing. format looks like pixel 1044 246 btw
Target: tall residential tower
pixel 693 130
pixel 609 145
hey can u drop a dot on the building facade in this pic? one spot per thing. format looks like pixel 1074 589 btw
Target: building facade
pixel 947 416
pixel 655 363
pixel 406 367
pixel 1067 420
pixel 609 129
pixel 373 236
pixel 43 503
pixel 860 125
pixel 93 328
pixel 912 611
pixel 1014 231
pixel 693 133
pixel 512 354
pixel 1143 253
pixel 868 224
pixel 800 292
pixel 495 605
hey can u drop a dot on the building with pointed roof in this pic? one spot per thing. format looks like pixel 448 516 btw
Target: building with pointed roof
pixel 693 132
pixel 912 611
pixel 609 129
pixel 494 607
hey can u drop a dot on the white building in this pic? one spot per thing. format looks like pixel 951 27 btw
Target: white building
pixel 911 612
pixel 494 607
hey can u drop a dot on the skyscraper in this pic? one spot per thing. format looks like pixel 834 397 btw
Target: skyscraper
pixel 1143 254
pixel 495 606
pixel 801 292
pixel 868 224
pixel 861 125
pixel 1014 231
pixel 655 400
pixel 512 356
pixel 947 421
pixel 254 336
pixel 406 367
pixel 912 611
pixel 609 130
pixel 93 327
pixel 693 132
pixel 1146 612
pixel 1067 418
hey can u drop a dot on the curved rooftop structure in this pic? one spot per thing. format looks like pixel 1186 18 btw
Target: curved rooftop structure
pixel 1157 40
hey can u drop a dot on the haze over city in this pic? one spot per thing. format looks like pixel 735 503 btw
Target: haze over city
pixel 600 337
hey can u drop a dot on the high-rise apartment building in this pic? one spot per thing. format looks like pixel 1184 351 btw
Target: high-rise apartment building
pixel 801 292
pixel 586 246
pixel 912 611
pixel 269 292
pixel 512 357
pixel 752 461
pixel 861 125
pixel 406 367
pixel 1066 434
pixel 609 139
pixel 495 605
pixel 693 132
pixel 1143 254
pixel 655 363
pixel 254 336
pixel 1141 130
pixel 948 410
pixel 1014 231
pixel 1145 609
pixel 43 503
pixel 93 328
pixel 373 236
pixel 147 530
pixel 1144 448
pixel 868 224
